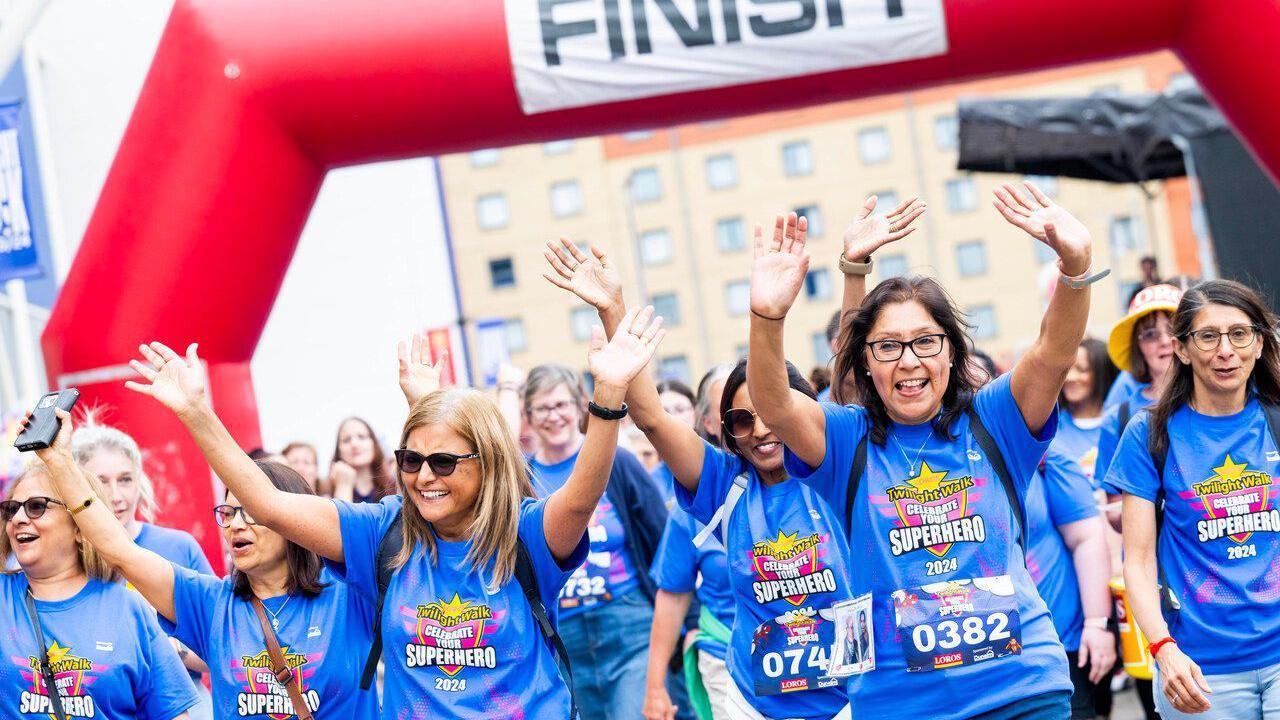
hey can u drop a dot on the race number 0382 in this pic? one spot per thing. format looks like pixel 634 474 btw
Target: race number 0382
pixel 950 634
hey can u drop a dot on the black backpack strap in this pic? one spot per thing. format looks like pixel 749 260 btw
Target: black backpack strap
pixel 1124 412
pixel 388 548
pixel 1159 459
pixel 856 471
pixel 1271 412
pixel 528 579
pixel 992 451
pixel 46 669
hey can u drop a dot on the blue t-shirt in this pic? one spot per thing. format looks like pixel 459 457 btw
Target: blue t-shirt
pixel 943 646
pixel 325 640
pixel 666 484
pixel 825 395
pixel 1221 535
pixel 788 564
pixel 1124 386
pixel 609 572
pixel 1058 495
pixel 108 653
pixel 453 645
pixel 681 567
pixel 1077 440
pixel 1109 438
pixel 175 546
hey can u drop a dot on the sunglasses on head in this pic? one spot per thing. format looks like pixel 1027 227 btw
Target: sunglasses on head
pixel 441 463
pixel 739 422
pixel 35 507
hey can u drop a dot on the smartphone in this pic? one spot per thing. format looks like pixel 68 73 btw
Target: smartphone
pixel 44 424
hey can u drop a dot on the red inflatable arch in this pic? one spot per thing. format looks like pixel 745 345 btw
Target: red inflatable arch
pixel 249 102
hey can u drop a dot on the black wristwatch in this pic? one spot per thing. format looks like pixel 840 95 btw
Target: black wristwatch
pixel 605 413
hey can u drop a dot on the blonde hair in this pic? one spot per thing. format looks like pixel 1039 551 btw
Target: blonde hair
pixel 93 564
pixel 504 480
pixel 91 438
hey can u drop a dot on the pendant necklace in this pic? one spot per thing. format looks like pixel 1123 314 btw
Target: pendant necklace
pixel 912 463
pixel 275 614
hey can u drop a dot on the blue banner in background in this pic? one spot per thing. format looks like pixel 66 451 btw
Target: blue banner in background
pixel 18 257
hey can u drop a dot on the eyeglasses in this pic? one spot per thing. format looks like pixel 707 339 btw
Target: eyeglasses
pixel 442 464
pixel 541 412
pixel 922 347
pixel 226 514
pixel 1153 335
pixel 35 507
pixel 739 422
pixel 1241 336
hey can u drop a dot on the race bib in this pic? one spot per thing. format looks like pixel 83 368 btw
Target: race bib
pixel 959 622
pixel 589 584
pixel 789 653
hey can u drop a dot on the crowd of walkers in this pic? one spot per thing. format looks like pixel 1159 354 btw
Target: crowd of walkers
pixel 921 535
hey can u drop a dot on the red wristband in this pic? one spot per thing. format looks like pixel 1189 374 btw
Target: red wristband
pixel 1155 646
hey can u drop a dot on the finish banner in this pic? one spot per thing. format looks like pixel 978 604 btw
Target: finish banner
pixel 573 53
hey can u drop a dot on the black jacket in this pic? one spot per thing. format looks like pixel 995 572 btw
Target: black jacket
pixel 640 509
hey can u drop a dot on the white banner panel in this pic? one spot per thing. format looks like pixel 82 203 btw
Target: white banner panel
pixel 573 53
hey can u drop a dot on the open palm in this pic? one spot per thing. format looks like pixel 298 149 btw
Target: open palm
pixel 418 376
pixel 869 232
pixel 177 382
pixel 1049 223
pixel 616 362
pixel 778 270
pixel 593 279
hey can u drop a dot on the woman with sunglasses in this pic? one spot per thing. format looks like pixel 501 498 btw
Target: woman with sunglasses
pixel 931 472
pixel 105 651
pixel 323 627
pixel 460 637
pixel 781 537
pixel 1198 472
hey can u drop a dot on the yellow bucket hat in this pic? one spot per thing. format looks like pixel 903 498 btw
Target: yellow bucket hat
pixel 1155 298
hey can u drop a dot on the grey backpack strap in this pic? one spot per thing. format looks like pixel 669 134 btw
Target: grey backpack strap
pixel 527 576
pixel 46 669
pixel 721 517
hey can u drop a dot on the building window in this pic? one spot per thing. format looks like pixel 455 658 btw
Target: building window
pixel 886 201
pixel 821 348
pixel 646 185
pixel 491 211
pixel 946 132
pixel 581 320
pixel 737 297
pixel 892 266
pixel 971 258
pixel 817 284
pixel 797 158
pixel 655 247
pixel 517 339
pixel 675 367
pixel 962 195
pixel 1048 184
pixel 668 306
pixel 502 273
pixel 1125 234
pixel 983 318
pixel 557 147
pixel 637 135
pixel 722 172
pixel 731 234
pixel 814 214
pixel 873 145
pixel 566 198
pixel 484 158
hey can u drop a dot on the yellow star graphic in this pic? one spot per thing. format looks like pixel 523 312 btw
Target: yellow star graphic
pixel 454 607
pixel 928 479
pixel 784 542
pixel 57 653
pixel 1230 470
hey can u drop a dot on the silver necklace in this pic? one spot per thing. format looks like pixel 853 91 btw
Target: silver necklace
pixel 275 614
pixel 910 463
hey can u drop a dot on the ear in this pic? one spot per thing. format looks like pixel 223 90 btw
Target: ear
pixel 1180 350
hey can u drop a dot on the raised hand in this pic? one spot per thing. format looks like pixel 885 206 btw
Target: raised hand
pixel 61 446
pixel 178 383
pixel 869 232
pixel 1049 223
pixel 594 279
pixel 778 269
pixel 418 376
pixel 616 362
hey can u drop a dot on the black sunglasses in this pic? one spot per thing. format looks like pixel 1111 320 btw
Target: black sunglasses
pixel 441 463
pixel 739 422
pixel 35 507
pixel 226 514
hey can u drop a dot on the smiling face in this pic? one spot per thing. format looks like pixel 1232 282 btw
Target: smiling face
pixel 1224 369
pixel 555 418
pixel 355 445
pixel 1154 336
pixel 447 502
pixel 1078 387
pixel 45 546
pixel 761 448
pixel 256 550
pixel 911 387
pixel 119 477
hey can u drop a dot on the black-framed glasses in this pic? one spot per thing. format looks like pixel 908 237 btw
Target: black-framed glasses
pixel 226 514
pixel 35 507
pixel 739 422
pixel 441 463
pixel 922 347
pixel 1241 336
pixel 541 412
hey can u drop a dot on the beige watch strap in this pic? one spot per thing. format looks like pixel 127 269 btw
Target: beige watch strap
pixel 849 267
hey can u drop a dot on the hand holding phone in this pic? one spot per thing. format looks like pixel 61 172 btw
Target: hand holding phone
pixel 43 425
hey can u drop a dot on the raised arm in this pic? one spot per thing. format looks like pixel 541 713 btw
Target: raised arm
pixel 868 233
pixel 596 282
pixel 151 574
pixel 1088 545
pixel 614 364
pixel 777 272
pixel 1038 376
pixel 179 384
pixel 419 377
